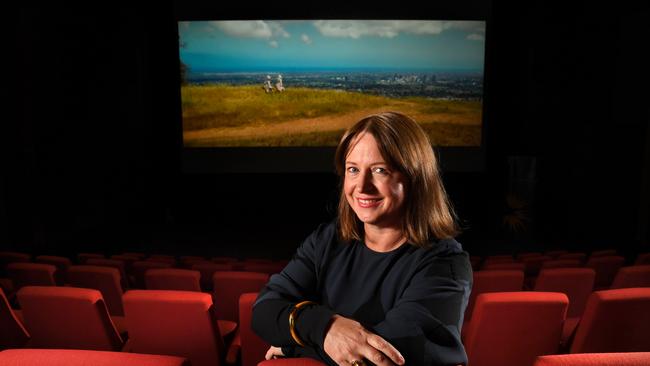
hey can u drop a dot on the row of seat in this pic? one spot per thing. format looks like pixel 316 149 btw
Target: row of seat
pixel 47 357
pixel 508 328
pixel 576 283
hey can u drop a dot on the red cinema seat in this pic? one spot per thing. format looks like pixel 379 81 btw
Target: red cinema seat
pixel 68 317
pixel 633 276
pixel 74 357
pixel 228 286
pixel 614 321
pixel 140 268
pixel 12 257
pixel 514 266
pixel 207 270
pixel 642 258
pixel 173 279
pixel 114 263
pixel 61 263
pixel 175 323
pixel 561 263
pixel 606 268
pixel 576 283
pixel 31 274
pixel 253 348
pixel 603 253
pixel 83 257
pixel 596 359
pixel 513 328
pixel 493 281
pixel 575 255
pixel 302 361
pixel 13 334
pixel 104 279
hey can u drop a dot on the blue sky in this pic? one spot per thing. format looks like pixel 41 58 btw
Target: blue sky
pixel 331 45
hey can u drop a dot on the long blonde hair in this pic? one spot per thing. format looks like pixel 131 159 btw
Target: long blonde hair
pixel 405 147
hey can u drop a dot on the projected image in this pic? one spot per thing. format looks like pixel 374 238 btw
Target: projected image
pixel 302 83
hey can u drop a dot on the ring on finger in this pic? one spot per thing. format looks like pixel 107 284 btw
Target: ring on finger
pixel 357 363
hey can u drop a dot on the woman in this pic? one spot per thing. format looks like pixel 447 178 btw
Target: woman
pixel 385 282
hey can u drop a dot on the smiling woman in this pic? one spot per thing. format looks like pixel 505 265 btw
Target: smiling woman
pixel 385 282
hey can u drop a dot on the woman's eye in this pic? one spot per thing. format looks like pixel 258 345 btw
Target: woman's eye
pixel 352 169
pixel 380 171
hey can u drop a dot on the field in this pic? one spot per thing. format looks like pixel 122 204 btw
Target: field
pixel 222 115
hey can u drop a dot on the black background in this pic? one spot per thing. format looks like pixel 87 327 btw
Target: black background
pixel 91 155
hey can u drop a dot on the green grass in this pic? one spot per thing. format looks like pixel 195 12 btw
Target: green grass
pixel 231 106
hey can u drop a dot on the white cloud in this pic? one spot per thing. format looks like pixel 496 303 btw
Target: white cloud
pixel 245 29
pixel 476 37
pixel 277 30
pixel 305 38
pixel 274 44
pixel 390 29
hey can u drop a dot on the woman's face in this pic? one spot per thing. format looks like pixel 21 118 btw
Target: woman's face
pixel 373 189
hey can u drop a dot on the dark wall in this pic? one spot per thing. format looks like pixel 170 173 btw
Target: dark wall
pixel 91 142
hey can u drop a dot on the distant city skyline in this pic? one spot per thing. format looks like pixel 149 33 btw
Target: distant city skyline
pixel 258 46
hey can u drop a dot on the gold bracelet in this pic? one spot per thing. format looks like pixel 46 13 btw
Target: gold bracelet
pixel 292 321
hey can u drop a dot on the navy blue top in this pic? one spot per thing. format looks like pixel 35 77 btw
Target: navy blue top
pixel 413 297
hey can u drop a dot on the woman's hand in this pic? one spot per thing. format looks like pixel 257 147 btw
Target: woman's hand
pixel 346 341
pixel 273 353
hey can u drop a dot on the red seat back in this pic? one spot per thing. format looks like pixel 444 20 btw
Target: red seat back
pixel 173 279
pixel 493 281
pixel 140 268
pixel 614 321
pixel 253 348
pixel 74 357
pixel 606 268
pixel 513 328
pixel 633 276
pixel 176 323
pixel 13 334
pixel 104 279
pixel 596 359
pixel 207 270
pixel 31 274
pixel 576 283
pixel 68 317
pixel 61 263
pixel 228 286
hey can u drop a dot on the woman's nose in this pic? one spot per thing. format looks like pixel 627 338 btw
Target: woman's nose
pixel 367 184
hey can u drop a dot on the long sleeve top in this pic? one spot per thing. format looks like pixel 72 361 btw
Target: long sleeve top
pixel 413 297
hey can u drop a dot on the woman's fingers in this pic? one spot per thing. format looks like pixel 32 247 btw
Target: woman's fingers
pixel 383 350
pixel 273 352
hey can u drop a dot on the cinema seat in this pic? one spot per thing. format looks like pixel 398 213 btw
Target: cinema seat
pixel 68 357
pixel 140 268
pixel 576 283
pixel 83 257
pixel 31 274
pixel 173 279
pixel 61 263
pixel 207 270
pixel 176 323
pixel 642 258
pixel 228 286
pixel 633 276
pixel 614 321
pixel 114 263
pixel 251 347
pixel 606 268
pixel 13 334
pixel 68 317
pixel 104 279
pixel 12 257
pixel 513 328
pixel 302 361
pixel 493 281
pixel 561 263
pixel 596 359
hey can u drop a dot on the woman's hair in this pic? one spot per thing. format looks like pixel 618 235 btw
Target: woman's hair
pixel 406 148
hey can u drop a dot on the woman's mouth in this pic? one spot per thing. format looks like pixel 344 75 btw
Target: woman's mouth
pixel 368 203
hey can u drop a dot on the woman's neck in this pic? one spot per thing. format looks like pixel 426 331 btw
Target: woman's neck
pixel 383 239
